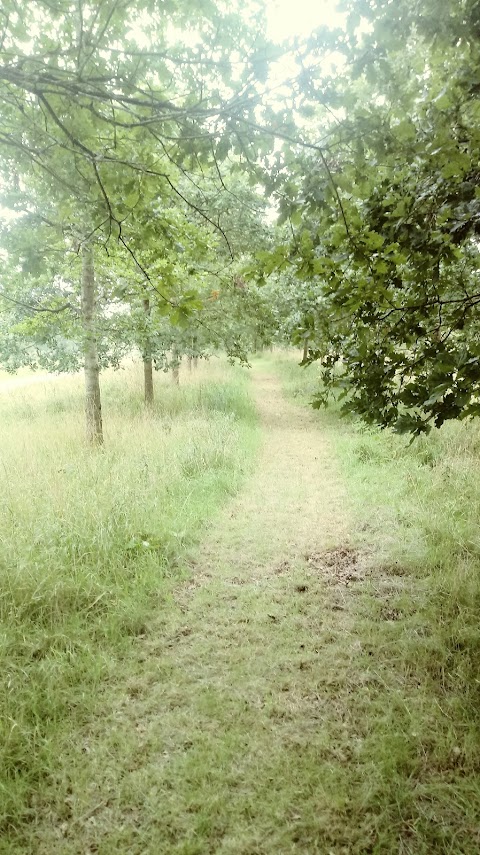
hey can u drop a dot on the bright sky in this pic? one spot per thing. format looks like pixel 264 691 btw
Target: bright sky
pixel 299 17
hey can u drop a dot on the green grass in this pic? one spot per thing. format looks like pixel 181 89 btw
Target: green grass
pixel 253 705
pixel 416 510
pixel 90 544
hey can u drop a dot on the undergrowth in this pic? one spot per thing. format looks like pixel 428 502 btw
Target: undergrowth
pixel 417 508
pixel 89 541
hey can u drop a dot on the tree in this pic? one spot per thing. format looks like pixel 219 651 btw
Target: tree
pixel 92 386
pixel 101 119
pixel 386 215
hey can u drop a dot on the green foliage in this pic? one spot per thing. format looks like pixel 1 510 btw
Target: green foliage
pixel 115 133
pixel 386 218
pixel 142 148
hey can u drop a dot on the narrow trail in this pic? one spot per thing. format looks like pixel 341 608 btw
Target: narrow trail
pixel 234 735
pixel 294 505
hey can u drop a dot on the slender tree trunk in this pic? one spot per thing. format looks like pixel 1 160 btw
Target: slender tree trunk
pixel 176 362
pixel 193 360
pixel 147 362
pixel 189 363
pixel 93 407
pixel 305 350
pixel 148 381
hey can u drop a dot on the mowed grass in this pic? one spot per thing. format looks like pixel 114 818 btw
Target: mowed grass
pixel 91 542
pixel 414 776
pixel 325 705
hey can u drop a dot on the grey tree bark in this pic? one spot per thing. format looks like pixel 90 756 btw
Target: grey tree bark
pixel 93 406
pixel 147 363
pixel 193 358
pixel 176 360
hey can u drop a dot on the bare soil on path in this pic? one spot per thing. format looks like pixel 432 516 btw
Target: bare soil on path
pixel 237 729
pixel 293 507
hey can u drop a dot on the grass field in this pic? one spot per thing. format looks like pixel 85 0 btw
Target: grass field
pixel 90 542
pixel 300 677
pixel 6 376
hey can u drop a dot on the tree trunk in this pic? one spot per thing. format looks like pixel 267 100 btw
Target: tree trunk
pixel 305 350
pixel 189 363
pixel 148 381
pixel 193 359
pixel 93 407
pixel 147 362
pixel 176 360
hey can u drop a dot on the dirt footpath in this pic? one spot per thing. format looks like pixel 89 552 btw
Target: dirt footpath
pixel 293 507
pixel 234 735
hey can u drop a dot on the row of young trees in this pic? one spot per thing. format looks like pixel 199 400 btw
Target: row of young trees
pixel 145 147
pixel 113 155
